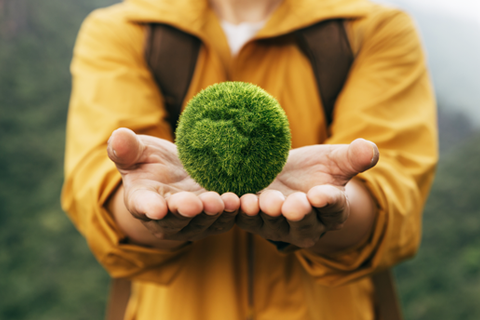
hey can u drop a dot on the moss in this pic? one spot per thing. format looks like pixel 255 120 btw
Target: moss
pixel 233 137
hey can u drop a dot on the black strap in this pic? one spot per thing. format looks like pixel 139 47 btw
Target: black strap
pixel 171 55
pixel 326 45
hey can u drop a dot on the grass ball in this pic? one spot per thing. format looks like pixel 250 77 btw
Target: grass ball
pixel 233 137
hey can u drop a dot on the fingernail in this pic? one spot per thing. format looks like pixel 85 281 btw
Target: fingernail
pixel 150 217
pixel 375 152
pixel 183 215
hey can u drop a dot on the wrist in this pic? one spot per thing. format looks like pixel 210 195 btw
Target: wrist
pixel 134 229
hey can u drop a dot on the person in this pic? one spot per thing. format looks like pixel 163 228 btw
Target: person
pixel 348 201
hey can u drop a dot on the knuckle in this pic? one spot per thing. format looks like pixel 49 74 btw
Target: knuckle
pixel 168 228
pixel 303 228
pixel 307 243
pixel 221 227
pixel 201 222
pixel 159 235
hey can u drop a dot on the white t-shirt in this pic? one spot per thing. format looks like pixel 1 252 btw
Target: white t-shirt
pixel 239 34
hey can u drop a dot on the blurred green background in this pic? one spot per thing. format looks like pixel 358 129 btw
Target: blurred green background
pixel 46 268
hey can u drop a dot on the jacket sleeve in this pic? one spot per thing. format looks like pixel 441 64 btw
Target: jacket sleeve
pixel 111 88
pixel 389 100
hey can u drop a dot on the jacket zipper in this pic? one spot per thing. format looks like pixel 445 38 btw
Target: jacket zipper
pixel 250 271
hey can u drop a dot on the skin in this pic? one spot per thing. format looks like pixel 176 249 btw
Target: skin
pixel 238 11
pixel 159 205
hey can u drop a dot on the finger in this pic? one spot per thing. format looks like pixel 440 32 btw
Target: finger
pixel 195 229
pixel 231 202
pixel 223 223
pixel 249 204
pixel 249 223
pixel 296 206
pixel 274 228
pixel 346 161
pixel 146 204
pixel 306 232
pixel 227 219
pixel 169 227
pixel 124 148
pixel 212 203
pixel 186 204
pixel 362 154
pixel 248 218
pixel 331 205
pixel 270 202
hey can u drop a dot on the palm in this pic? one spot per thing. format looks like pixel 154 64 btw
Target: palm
pixel 311 166
pixel 159 169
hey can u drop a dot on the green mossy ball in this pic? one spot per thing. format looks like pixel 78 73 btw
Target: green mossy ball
pixel 233 137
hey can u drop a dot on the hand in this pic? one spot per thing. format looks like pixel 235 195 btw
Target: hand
pixel 309 197
pixel 159 193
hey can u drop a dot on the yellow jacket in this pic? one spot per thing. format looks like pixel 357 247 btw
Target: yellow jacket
pixel 387 99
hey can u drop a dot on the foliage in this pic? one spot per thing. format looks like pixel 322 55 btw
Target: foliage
pixel 47 271
pixel 233 137
pixel 454 128
pixel 443 282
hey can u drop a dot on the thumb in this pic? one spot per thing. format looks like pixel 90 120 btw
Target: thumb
pixel 362 155
pixel 358 156
pixel 124 148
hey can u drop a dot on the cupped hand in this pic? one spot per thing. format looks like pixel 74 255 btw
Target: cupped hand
pixel 309 197
pixel 158 191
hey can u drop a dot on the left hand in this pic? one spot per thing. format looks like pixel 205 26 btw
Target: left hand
pixel 308 198
pixel 158 204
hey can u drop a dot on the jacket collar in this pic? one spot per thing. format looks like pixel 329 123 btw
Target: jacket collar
pixel 191 15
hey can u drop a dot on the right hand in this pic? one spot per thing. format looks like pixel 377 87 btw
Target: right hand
pixel 310 197
pixel 160 193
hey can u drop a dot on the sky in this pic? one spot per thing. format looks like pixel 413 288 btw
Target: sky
pixel 451 33
pixel 468 9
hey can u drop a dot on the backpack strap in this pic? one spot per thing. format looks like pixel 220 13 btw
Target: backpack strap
pixel 120 291
pixel 171 55
pixel 387 305
pixel 327 47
